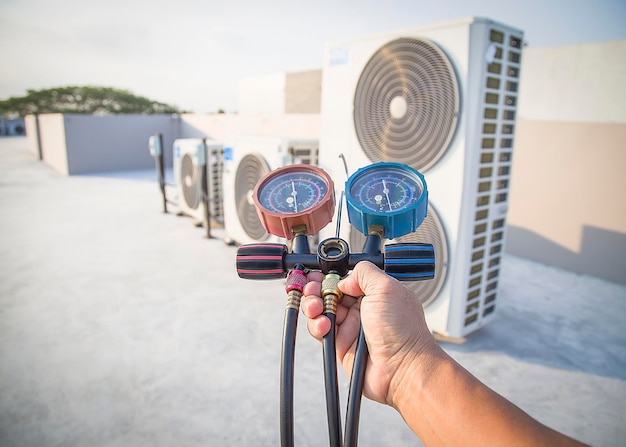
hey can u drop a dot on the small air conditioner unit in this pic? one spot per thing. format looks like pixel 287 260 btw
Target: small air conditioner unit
pixel 443 100
pixel 246 160
pixel 192 158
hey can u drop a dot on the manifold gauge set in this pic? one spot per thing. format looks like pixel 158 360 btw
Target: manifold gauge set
pixel 384 201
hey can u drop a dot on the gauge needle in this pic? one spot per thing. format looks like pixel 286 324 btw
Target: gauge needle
pixel 294 193
pixel 386 191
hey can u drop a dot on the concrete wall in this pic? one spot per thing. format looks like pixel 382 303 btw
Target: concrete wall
pixel 32 130
pixel 80 144
pixel 281 93
pixel 220 126
pixel 114 142
pixel 567 203
pixel 575 83
pixel 566 198
pixel 52 142
pixel 303 92
pixel 262 95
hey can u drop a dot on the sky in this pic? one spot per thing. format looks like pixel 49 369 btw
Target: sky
pixel 193 53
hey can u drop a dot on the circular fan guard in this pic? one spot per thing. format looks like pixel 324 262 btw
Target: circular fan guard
pixel 406 104
pixel 190 182
pixel 431 232
pixel 250 170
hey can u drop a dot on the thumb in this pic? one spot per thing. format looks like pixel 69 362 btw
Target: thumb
pixel 365 279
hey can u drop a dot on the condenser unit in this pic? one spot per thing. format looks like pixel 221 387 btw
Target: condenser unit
pixel 193 158
pixel 246 160
pixel 442 99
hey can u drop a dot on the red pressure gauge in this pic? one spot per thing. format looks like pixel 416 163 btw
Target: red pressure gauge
pixel 295 196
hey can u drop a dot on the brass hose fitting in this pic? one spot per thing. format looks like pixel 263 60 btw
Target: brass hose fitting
pixel 330 293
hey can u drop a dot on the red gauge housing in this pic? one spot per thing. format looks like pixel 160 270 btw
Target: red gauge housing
pixel 295 198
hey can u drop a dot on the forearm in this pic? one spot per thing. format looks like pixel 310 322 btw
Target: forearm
pixel 445 405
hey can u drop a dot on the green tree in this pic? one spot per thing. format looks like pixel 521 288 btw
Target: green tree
pixel 87 99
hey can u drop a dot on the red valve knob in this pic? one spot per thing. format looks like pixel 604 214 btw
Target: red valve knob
pixel 261 261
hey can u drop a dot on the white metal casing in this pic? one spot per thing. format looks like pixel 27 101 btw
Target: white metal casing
pixel 460 190
pixel 189 160
pixel 246 160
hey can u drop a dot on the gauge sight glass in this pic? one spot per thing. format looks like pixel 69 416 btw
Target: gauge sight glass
pixel 295 198
pixel 391 195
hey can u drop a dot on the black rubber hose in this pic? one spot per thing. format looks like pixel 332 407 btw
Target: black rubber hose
pixel 371 247
pixel 356 391
pixel 286 377
pixel 295 283
pixel 332 386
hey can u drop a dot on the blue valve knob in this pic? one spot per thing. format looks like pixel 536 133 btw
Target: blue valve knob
pixel 410 261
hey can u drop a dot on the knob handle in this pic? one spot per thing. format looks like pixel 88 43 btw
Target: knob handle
pixel 261 261
pixel 410 261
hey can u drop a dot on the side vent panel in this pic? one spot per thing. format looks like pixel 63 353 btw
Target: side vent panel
pixel 495 157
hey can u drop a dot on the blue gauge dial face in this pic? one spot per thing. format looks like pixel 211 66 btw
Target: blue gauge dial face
pixel 386 191
pixel 292 192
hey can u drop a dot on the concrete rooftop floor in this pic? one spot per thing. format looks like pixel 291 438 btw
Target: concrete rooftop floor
pixel 124 326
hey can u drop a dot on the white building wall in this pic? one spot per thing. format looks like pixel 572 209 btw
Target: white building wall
pixel 281 93
pixel 566 197
pixel 114 142
pixel 262 95
pixel 53 142
pixel 575 83
pixel 220 126
pixel 567 203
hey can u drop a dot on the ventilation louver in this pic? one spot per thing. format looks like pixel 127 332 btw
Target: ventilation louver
pixel 250 170
pixel 406 104
pixel 190 179
pixel 431 231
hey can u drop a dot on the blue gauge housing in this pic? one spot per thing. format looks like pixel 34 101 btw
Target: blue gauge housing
pixel 391 195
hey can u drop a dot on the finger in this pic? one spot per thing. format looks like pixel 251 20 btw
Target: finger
pixel 312 306
pixel 318 327
pixel 315 275
pixel 347 303
pixel 348 331
pixel 312 288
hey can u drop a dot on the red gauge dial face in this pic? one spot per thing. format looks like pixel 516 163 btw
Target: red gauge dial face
pixel 295 199
pixel 292 192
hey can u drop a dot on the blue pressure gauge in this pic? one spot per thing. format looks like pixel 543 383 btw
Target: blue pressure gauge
pixel 391 195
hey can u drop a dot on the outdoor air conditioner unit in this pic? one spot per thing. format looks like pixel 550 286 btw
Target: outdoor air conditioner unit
pixel 246 160
pixel 192 158
pixel 443 100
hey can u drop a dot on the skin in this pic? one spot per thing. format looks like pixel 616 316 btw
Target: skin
pixel 440 401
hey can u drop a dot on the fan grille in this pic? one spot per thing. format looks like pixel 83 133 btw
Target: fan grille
pixel 190 182
pixel 250 170
pixel 406 104
pixel 431 232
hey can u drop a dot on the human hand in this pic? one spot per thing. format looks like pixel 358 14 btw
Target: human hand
pixel 440 400
pixel 393 322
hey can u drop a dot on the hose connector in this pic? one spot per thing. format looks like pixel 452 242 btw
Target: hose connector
pixel 330 292
pixel 294 287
